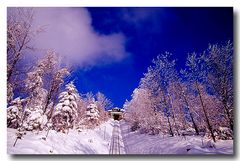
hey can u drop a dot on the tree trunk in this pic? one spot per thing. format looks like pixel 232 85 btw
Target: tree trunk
pixel 15 142
pixel 174 120
pixel 194 124
pixel 224 101
pixel 205 112
pixel 191 116
pixel 17 55
pixel 190 113
pixel 166 106
pixel 170 127
pixel 10 72
pixel 49 95
pixel 228 115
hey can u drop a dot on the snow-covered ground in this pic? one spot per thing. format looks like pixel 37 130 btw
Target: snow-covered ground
pixel 95 141
pixel 136 143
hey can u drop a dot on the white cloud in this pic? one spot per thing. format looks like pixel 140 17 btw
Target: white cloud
pixel 70 33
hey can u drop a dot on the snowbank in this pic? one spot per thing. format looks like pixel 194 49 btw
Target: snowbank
pixel 95 141
pixel 136 143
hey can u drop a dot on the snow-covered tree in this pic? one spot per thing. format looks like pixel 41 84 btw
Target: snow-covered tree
pixel 219 60
pixel 178 114
pixel 200 100
pixel 20 33
pixel 181 103
pixel 103 104
pixel 214 111
pixel 140 113
pixel 89 98
pixel 65 112
pixel 55 84
pixel 92 114
pixel 81 110
pixel 196 74
pixel 9 92
pixel 87 117
pixel 157 79
pixel 34 117
pixel 103 101
pixel 151 104
pixel 14 113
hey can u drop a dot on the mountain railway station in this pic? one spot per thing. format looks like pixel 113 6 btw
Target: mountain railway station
pixel 116 113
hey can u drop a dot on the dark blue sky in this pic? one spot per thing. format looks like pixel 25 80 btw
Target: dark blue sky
pixel 149 32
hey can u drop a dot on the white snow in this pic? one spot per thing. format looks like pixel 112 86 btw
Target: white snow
pixel 136 143
pixel 87 141
pixel 97 141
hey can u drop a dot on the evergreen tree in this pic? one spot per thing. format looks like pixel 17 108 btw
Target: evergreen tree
pixel 92 114
pixel 65 112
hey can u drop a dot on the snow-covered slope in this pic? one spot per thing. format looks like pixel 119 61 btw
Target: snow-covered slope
pixel 96 142
pixel 136 143
pixel 86 142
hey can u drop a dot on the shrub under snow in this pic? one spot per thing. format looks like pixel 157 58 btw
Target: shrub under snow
pixel 224 133
pixel 14 113
pixel 35 119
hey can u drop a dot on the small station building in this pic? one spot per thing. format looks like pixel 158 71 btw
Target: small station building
pixel 116 113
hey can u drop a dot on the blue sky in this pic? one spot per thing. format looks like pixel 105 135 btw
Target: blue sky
pixel 116 45
pixel 149 32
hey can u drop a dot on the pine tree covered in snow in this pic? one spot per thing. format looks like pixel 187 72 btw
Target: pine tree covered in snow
pixel 92 114
pixel 66 113
pixel 14 113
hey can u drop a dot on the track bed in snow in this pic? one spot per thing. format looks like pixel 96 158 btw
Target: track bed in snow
pixel 116 146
